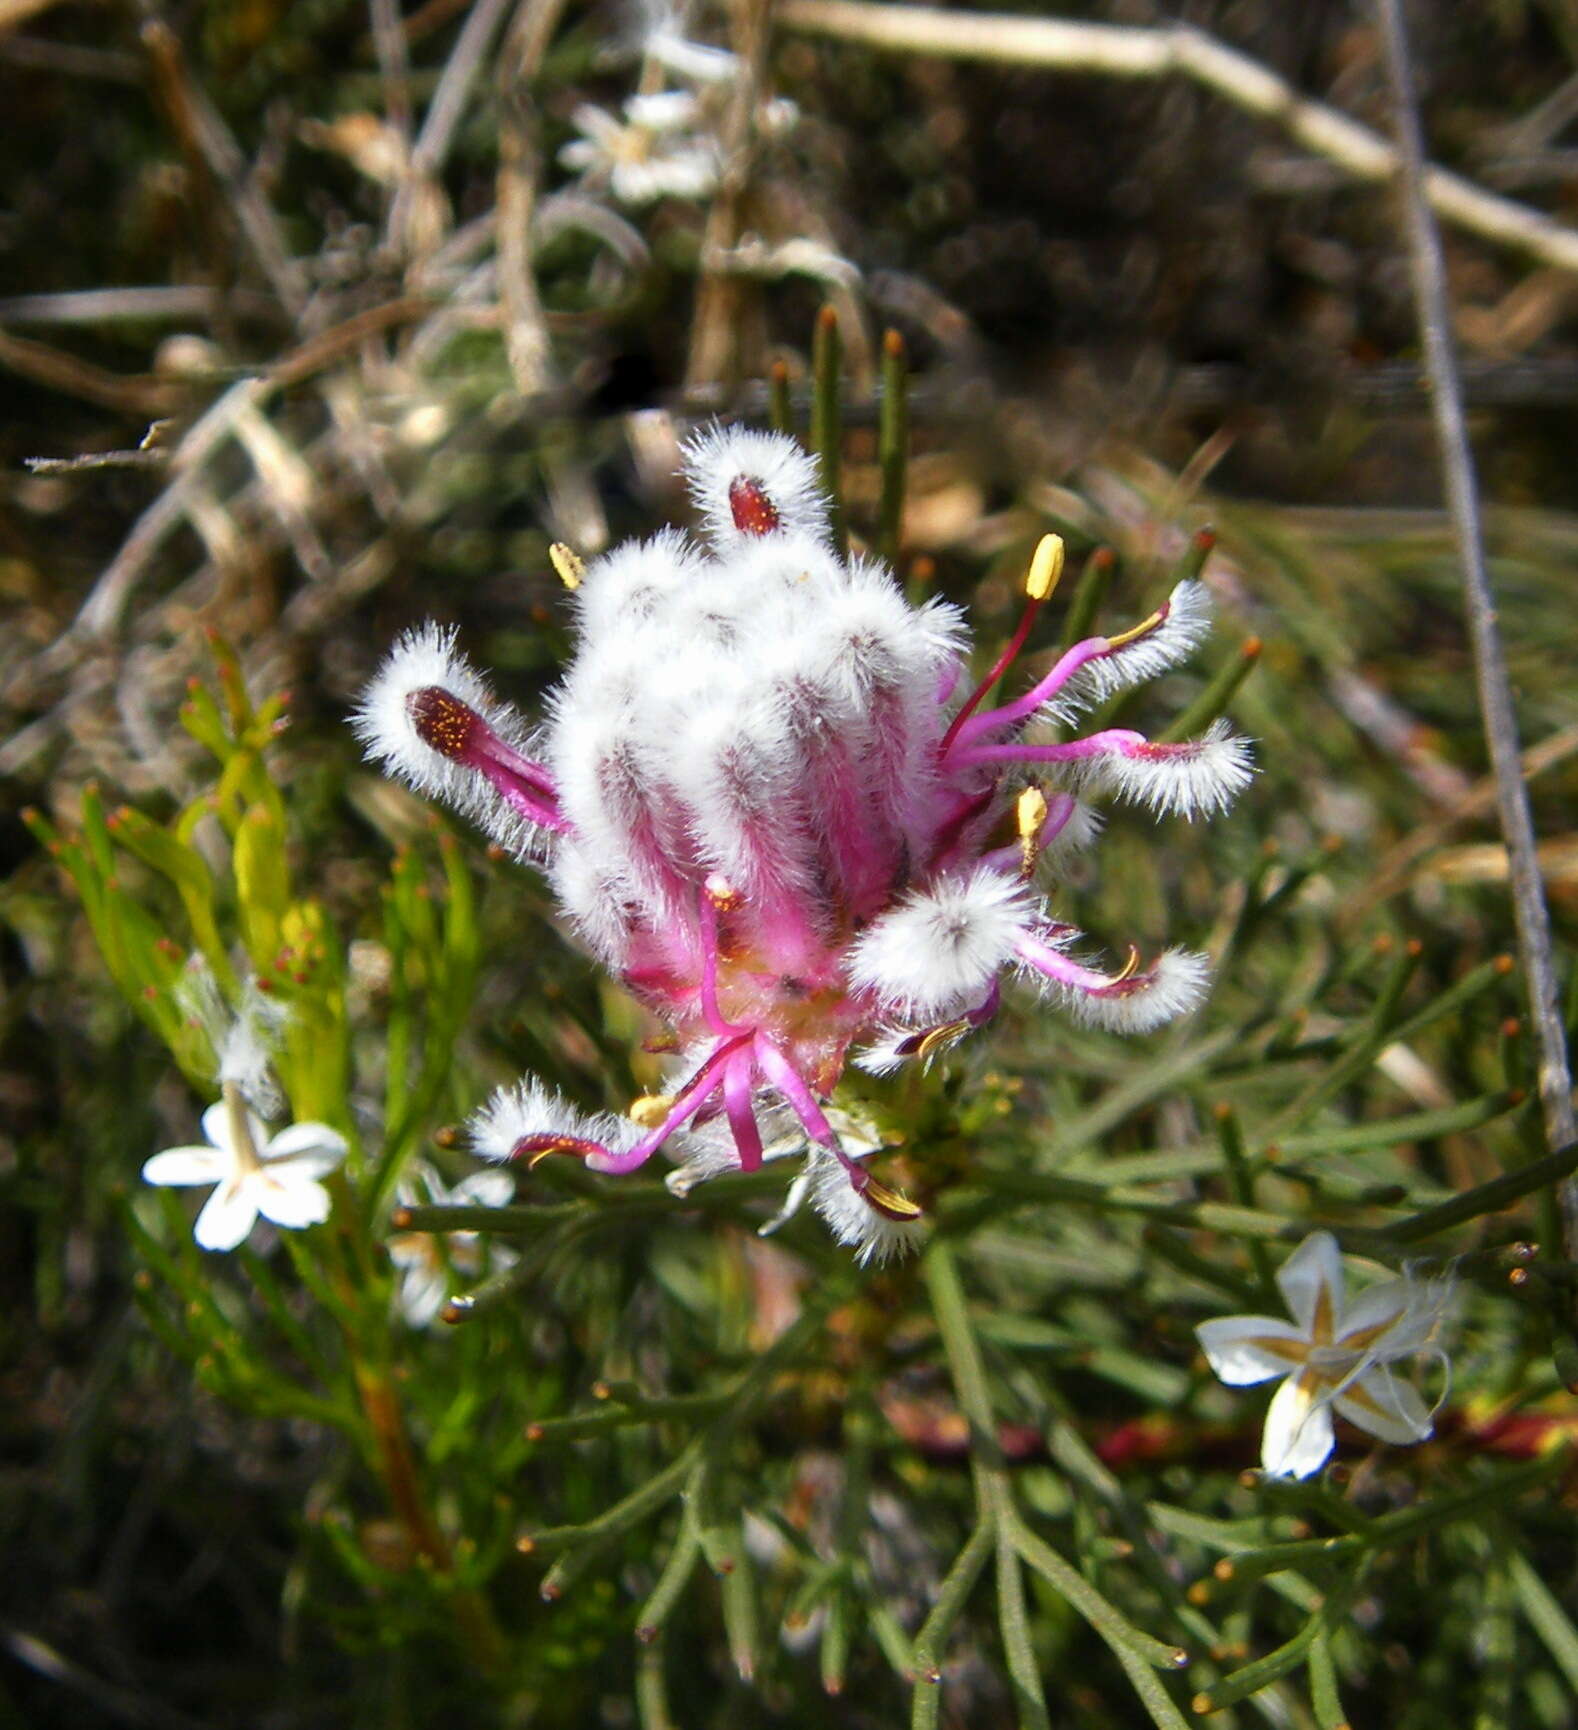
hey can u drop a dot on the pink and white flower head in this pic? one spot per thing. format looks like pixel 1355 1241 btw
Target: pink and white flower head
pixel 769 806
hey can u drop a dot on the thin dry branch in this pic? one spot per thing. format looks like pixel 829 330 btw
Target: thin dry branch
pixel 141 396
pixel 519 177
pixel 206 138
pixel 101 612
pixel 437 132
pixel 14 12
pixel 1490 664
pixel 717 335
pixel 1125 51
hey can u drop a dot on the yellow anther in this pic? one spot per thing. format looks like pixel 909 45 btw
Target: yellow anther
pixel 721 892
pixel 561 1144
pixel 1130 967
pixel 1030 813
pixel 889 1201
pixel 1045 567
pixel 1143 629
pixel 650 1109
pixel 940 1038
pixel 568 563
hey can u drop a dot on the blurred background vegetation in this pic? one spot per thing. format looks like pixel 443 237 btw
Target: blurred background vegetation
pixel 316 337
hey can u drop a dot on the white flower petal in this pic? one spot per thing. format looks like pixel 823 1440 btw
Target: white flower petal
pixel 1386 1406
pixel 1298 1436
pixel 178 1166
pixel 1311 1284
pixel 422 1295
pixel 1243 1350
pixel 1374 1313
pixel 410 1249
pixel 484 1189
pixel 216 1124
pixel 227 1216
pixel 310 1148
pixel 292 1202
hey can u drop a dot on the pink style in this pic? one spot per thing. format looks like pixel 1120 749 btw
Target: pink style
pixel 770 804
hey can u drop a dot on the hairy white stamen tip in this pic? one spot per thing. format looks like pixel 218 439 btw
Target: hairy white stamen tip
pixel 1174 640
pixel 751 486
pixel 1172 986
pixel 1192 779
pixel 425 659
pixel 527 1108
pixel 940 949
pixel 636 584
pixel 1080 831
pixel 874 1236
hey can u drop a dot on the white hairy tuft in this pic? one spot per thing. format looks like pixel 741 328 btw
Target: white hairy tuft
pixel 939 950
pixel 718 456
pixel 853 1221
pixel 1193 779
pixel 527 1108
pixel 1172 986
pixel 423 658
pixel 636 583
pixel 1081 830
pixel 1186 627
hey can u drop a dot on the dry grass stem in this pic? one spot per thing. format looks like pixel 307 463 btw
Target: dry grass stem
pixel 1179 50
pixel 1490 664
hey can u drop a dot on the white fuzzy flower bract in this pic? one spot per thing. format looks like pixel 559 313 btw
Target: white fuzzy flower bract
pixel 1195 777
pixel 941 948
pixel 771 804
pixel 432 722
pixel 429 1261
pixel 749 486
pixel 528 1121
pixel 253 1173
pixel 1178 627
pixel 876 1234
pixel 1135 1000
pixel 1333 1355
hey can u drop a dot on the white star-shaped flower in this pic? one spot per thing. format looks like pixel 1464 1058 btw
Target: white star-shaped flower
pixel 428 1260
pixel 660 149
pixel 253 1173
pixel 1332 1354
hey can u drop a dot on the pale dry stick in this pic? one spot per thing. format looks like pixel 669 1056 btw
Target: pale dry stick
pixel 289 488
pixel 520 171
pixel 14 12
pixel 100 613
pixel 97 306
pixel 394 68
pixel 345 396
pixel 1490 662
pixel 444 111
pixel 219 150
pixel 1134 51
pixel 716 329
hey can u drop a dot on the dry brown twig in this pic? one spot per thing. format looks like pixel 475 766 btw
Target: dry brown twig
pixel 520 170
pixel 718 339
pixel 1490 664
pixel 1179 50
pixel 412 228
